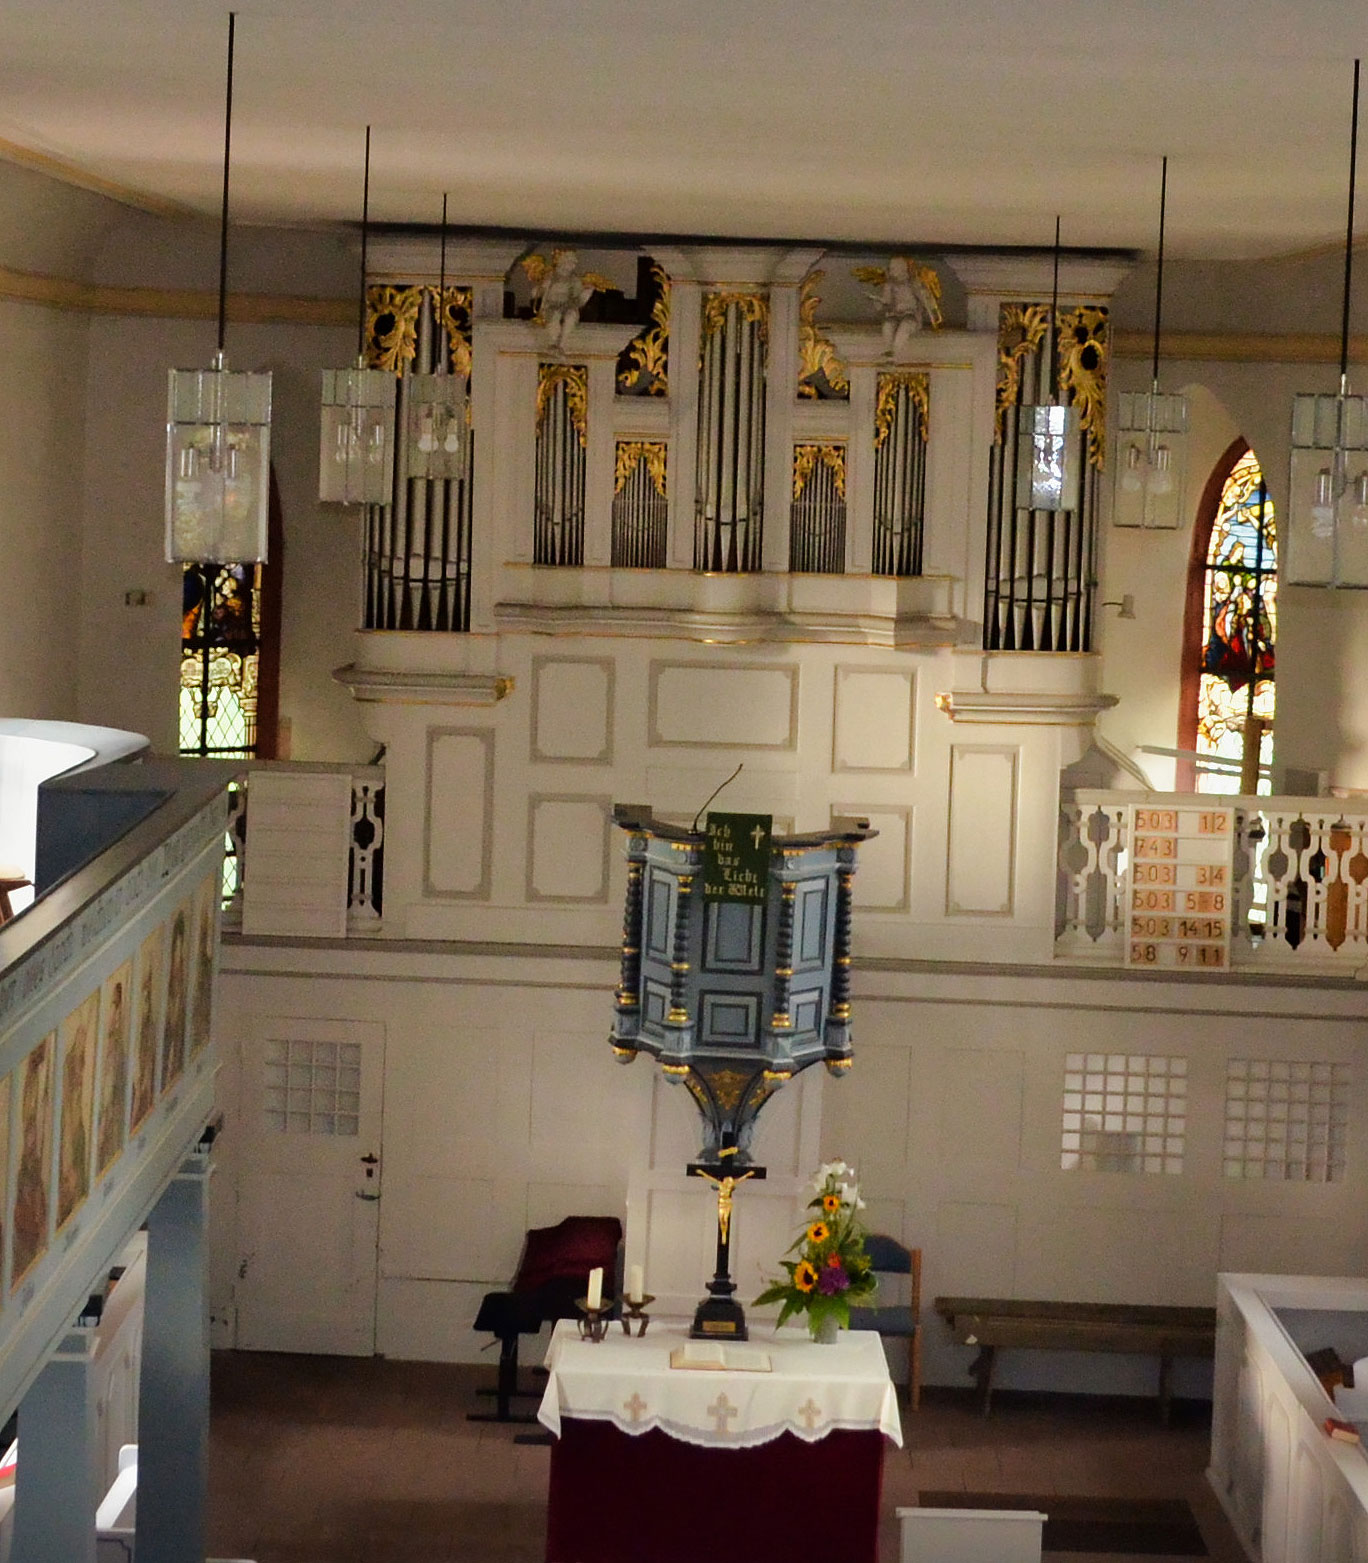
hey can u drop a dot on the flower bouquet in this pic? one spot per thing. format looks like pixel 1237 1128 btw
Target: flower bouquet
pixel 831 1269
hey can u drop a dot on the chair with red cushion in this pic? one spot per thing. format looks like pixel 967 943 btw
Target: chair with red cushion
pixel 553 1274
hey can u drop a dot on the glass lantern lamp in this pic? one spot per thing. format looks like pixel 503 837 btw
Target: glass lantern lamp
pixel 1327 542
pixel 1327 532
pixel 218 433
pixel 218 464
pixel 1151 459
pixel 1048 451
pixel 434 426
pixel 356 443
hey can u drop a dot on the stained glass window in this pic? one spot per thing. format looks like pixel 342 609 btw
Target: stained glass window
pixel 220 652
pixel 1239 627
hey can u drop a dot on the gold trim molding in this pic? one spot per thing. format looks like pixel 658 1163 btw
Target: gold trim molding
pixel 575 379
pixel 1021 330
pixel 650 352
pixel 1081 357
pixel 816 353
pixel 917 384
pixel 630 454
pixel 806 458
pixel 750 306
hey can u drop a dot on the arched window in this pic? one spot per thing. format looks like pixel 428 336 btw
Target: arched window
pixel 1231 624
pixel 230 655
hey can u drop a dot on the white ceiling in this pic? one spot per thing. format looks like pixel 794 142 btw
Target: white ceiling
pixel 961 122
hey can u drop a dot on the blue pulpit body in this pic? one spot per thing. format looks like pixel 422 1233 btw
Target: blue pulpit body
pixel 735 996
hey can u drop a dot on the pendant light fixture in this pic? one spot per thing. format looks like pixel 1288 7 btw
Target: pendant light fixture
pixel 1327 542
pixel 1048 431
pixel 435 403
pixel 1151 432
pixel 356 446
pixel 218 434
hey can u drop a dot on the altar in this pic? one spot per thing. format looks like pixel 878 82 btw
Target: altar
pixel 674 1464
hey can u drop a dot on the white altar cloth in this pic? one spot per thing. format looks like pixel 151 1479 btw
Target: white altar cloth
pixel 811 1391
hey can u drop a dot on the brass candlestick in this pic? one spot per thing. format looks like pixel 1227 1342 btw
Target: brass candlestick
pixel 636 1314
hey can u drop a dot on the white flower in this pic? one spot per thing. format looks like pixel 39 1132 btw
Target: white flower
pixel 850 1194
pixel 831 1171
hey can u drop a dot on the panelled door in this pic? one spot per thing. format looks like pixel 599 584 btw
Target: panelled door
pixel 309 1192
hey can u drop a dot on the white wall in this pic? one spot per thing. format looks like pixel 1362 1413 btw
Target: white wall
pixel 504 1108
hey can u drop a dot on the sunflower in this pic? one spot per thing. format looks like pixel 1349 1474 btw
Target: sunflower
pixel 818 1232
pixel 831 1203
pixel 804 1276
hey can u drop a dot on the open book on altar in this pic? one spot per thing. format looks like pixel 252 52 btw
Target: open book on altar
pixel 706 1356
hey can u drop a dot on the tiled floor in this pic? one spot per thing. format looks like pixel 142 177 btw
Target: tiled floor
pixel 337 1460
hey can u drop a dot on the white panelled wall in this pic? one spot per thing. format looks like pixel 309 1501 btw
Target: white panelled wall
pixel 488 998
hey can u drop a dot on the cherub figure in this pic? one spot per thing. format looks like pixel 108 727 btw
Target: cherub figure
pixel 909 296
pixel 560 291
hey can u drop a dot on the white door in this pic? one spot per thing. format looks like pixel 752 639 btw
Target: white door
pixel 309 1191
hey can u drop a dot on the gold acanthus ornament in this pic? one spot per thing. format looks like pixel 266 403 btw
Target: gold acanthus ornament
pixel 749 306
pixel 575 379
pixel 649 353
pixel 916 383
pixel 454 316
pixel 391 335
pixel 807 457
pixel 1021 330
pixel 392 315
pixel 1081 359
pixel 630 454
pixel 816 353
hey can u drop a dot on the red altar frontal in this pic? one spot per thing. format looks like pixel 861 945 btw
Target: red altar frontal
pixel 674 1464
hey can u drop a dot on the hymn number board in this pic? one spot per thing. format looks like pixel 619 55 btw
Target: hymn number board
pixel 1178 912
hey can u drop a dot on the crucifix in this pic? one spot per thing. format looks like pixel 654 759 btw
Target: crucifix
pixel 719 1314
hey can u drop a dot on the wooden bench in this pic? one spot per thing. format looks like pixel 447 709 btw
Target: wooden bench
pixel 991 1323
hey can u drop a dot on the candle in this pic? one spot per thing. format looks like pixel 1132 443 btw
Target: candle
pixel 636 1286
pixel 594 1301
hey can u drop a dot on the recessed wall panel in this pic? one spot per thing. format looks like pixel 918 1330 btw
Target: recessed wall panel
pixel 458 810
pixel 572 710
pixel 567 848
pixel 883 872
pixel 874 719
pixel 730 706
pixel 980 868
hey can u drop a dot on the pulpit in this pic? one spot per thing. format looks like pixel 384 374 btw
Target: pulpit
pixel 672 1464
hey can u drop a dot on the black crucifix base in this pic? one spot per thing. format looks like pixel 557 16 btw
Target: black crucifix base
pixel 719 1316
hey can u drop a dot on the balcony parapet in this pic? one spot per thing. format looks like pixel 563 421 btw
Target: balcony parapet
pixel 873 610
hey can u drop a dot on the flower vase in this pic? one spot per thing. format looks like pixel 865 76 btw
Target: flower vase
pixel 824 1330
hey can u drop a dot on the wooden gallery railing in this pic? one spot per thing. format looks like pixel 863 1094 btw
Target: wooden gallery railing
pixel 364 829
pixel 1282 883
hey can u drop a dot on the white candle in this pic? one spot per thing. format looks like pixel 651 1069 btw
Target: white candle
pixel 636 1284
pixel 595 1297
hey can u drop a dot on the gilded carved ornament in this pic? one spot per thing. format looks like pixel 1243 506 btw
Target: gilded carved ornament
pixel 1021 330
pixel 649 353
pixel 630 454
pixel 918 387
pixel 749 306
pixel 807 457
pixel 453 315
pixel 816 354
pixel 575 379
pixel 1081 356
pixel 391 335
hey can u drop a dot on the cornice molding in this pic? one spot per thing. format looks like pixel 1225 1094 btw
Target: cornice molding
pixel 391 687
pixel 1031 708
pixel 252 309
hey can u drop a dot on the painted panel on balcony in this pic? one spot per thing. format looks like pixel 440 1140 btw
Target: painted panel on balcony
pixel 301 832
pixel 567 847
